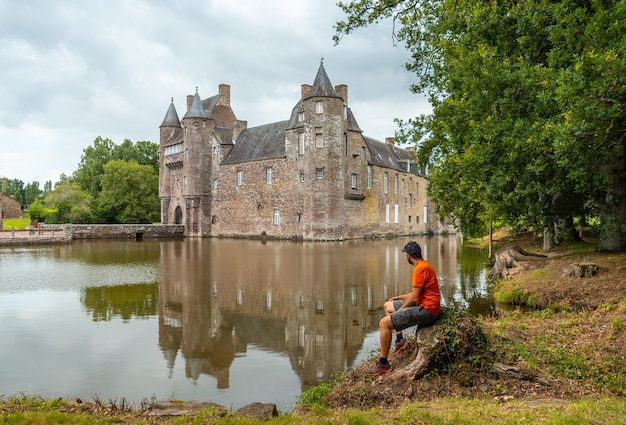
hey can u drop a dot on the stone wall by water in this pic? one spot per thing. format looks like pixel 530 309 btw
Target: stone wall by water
pixel 67 232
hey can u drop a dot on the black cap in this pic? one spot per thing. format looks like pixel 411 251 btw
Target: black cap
pixel 412 248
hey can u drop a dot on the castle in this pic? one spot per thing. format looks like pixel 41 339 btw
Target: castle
pixel 314 176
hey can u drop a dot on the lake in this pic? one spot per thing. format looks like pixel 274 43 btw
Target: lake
pixel 221 320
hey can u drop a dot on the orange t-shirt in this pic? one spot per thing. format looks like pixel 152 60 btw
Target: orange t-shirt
pixel 424 276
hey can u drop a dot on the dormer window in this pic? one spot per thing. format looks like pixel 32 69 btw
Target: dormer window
pixel 319 107
pixel 301 116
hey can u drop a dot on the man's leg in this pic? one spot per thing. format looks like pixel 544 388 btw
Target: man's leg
pixel 389 307
pixel 386 328
pixel 382 365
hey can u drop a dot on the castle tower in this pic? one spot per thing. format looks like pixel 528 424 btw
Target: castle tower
pixel 170 152
pixel 196 170
pixel 324 158
pixel 186 167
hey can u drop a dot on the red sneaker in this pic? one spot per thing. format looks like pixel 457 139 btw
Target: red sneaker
pixel 379 368
pixel 400 346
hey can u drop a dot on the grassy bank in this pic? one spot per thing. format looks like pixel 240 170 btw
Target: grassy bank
pixel 445 410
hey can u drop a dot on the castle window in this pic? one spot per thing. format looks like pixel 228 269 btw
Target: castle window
pixel 319 173
pixel 396 213
pixel 363 152
pixel 301 143
pixel 172 149
pixel 239 177
pixel 353 181
pixel 385 182
pixel 395 184
pixel 370 177
pixel 345 144
pixel 345 112
pixel 301 177
pixel 214 184
pixel 268 175
pixel 276 217
pixel 319 107
pixel 319 139
pixel 301 116
pixel 417 191
pixel 402 186
pixel 410 200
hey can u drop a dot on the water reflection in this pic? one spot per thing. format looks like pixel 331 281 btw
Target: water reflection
pixel 313 302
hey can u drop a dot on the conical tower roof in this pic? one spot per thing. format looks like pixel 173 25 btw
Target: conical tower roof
pixel 171 117
pixel 196 110
pixel 322 86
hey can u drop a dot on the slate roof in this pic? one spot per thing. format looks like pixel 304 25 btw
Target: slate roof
pixel 177 137
pixel 196 110
pixel 258 143
pixel 171 117
pixel 209 104
pixel 321 86
pixel 389 156
pixel 225 135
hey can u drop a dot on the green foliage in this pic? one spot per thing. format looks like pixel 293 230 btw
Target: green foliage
pixel 91 167
pixel 71 204
pixel 314 397
pixel 13 187
pixel 464 336
pixel 129 193
pixel 528 107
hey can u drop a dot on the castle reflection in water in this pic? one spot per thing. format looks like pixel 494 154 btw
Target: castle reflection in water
pixel 312 302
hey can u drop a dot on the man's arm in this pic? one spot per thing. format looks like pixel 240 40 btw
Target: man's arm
pixel 412 297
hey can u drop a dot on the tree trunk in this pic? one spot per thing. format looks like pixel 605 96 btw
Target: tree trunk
pixel 510 260
pixel 431 348
pixel 613 212
pixel 548 236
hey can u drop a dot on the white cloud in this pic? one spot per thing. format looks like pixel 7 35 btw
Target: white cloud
pixel 74 71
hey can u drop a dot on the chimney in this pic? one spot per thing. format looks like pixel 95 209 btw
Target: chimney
pixel 342 91
pixel 389 141
pixel 305 90
pixel 189 101
pixel 224 91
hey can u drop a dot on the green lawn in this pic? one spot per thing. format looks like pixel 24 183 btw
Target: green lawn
pixel 17 223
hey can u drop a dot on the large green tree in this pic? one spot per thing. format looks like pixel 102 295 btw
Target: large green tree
pixel 528 122
pixel 129 193
pixel 95 157
pixel 91 166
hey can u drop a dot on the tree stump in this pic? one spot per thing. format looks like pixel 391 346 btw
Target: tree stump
pixel 512 260
pixel 453 337
pixel 582 270
pixel 431 348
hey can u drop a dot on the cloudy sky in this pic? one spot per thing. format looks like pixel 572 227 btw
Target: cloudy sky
pixel 72 70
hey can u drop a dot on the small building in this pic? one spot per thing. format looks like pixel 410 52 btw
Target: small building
pixel 313 176
pixel 9 207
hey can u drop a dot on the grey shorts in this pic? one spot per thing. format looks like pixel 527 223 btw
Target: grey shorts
pixel 404 318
